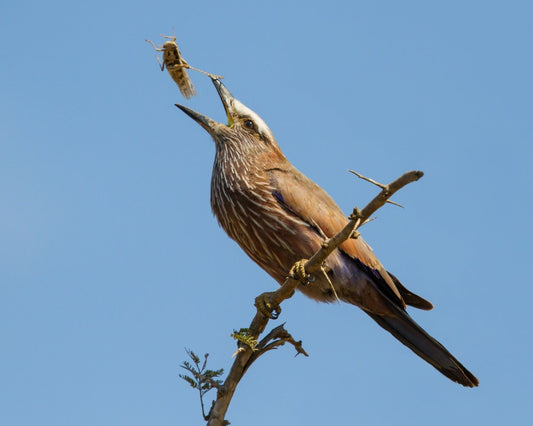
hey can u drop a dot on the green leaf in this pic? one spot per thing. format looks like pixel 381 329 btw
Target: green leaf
pixel 189 380
pixel 244 336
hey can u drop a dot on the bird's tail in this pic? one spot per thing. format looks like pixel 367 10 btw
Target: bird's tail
pixel 407 331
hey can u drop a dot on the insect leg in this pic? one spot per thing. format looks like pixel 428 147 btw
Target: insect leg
pixel 157 48
pixel 213 76
pixel 162 64
pixel 171 38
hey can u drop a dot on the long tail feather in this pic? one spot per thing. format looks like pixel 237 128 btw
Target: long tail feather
pixel 407 331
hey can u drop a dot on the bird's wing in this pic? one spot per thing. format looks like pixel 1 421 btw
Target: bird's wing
pixel 302 197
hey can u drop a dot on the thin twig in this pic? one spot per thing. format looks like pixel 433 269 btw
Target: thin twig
pixel 394 203
pixel 278 336
pixel 360 176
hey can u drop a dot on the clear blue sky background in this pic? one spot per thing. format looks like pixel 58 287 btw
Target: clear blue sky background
pixel 111 262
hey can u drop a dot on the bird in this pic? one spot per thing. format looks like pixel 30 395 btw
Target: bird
pixel 278 216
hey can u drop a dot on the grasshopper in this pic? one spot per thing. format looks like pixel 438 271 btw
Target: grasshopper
pixel 177 66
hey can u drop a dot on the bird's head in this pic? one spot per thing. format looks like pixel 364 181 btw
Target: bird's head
pixel 245 133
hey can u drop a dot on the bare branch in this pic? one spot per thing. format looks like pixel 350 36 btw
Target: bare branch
pixel 389 191
pixel 278 336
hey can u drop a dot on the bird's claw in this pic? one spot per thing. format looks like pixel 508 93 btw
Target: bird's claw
pixel 266 305
pixel 299 273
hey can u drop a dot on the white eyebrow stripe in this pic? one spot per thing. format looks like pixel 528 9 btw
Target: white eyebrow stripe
pixel 243 110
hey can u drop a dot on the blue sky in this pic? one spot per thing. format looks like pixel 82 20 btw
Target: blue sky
pixel 111 263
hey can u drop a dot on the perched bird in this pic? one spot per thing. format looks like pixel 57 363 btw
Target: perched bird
pixel 278 216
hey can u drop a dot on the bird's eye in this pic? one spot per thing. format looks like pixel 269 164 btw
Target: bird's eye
pixel 249 124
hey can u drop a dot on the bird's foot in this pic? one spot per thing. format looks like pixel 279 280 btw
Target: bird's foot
pixel 267 306
pixel 299 273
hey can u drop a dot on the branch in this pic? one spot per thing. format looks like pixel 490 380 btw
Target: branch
pixel 268 303
pixel 277 337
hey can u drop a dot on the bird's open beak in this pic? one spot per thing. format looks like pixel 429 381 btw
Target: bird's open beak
pixel 226 98
pixel 207 123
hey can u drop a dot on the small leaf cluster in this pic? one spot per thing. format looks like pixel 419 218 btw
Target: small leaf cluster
pixel 244 336
pixel 202 379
